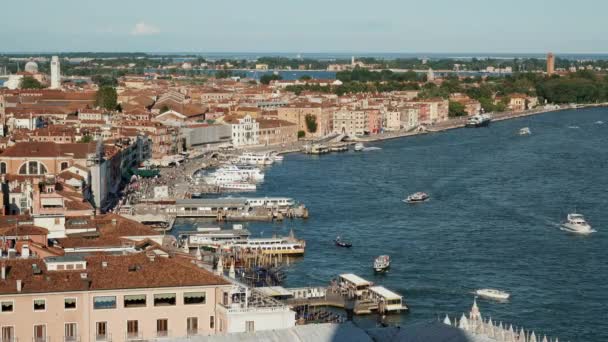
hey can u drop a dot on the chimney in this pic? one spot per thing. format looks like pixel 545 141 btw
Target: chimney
pixel 3 272
pixel 19 285
pixel 104 264
pixel 114 222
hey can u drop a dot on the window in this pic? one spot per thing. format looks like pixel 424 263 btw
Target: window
pixel 32 168
pixel 162 327
pixel 164 299
pixel 40 333
pixel 7 306
pixel 192 325
pixel 69 303
pixel 3 168
pixel 135 301
pixel 104 302
pixel 132 329
pixel 8 334
pixel 211 322
pixel 39 305
pixel 70 332
pixel 194 298
pixel 64 165
pixel 101 331
pixel 249 326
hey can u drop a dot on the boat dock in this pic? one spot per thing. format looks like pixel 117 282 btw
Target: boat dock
pixel 349 292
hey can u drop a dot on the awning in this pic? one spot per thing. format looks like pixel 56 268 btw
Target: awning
pixel 135 297
pixel 194 294
pixel 164 296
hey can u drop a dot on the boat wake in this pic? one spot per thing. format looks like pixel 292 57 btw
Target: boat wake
pixel 599 122
pixel 366 149
pixel 565 229
pixel 573 127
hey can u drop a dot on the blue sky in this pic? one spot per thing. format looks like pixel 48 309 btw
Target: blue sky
pixel 305 26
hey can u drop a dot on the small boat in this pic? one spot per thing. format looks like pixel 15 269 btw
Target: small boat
pixel 359 147
pixel 341 243
pixel 576 223
pixel 382 263
pixel 417 197
pixel 525 131
pixel 599 122
pixel 493 294
pixel 479 120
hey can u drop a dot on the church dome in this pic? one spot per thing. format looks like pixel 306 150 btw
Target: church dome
pixel 31 67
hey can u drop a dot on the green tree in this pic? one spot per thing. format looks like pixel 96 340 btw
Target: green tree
pixel 86 139
pixel 301 134
pixel 311 123
pixel 106 98
pixel 28 82
pixel 267 78
pixel 456 109
pixel 305 78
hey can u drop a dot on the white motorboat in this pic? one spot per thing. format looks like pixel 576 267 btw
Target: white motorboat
pixel 245 172
pixel 255 159
pixel 525 131
pixel 417 197
pixel 493 294
pixel 382 263
pixel 359 147
pixel 576 223
pixel 479 120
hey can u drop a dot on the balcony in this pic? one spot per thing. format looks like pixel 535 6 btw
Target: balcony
pixel 71 338
pixel 134 336
pixel 103 338
pixel 41 339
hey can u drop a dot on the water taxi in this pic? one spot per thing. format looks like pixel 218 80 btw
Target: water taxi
pixel 576 223
pixel 417 197
pixel 493 294
pixel 382 263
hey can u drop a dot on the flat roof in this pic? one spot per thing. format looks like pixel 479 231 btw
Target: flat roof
pixel 384 292
pixel 355 279
pixel 274 291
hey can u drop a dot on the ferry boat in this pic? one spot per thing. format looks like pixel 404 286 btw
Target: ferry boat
pixel 246 172
pixel 417 197
pixel 254 159
pixel 271 202
pixel 341 243
pixel 228 184
pixel 382 263
pixel 576 223
pixel 493 294
pixel 479 120
pixel 214 237
pixel 274 246
pixel 525 131
pixel 359 147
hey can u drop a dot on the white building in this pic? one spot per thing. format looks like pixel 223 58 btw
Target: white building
pixel 246 132
pixel 247 310
pixel 350 122
pixel 55 73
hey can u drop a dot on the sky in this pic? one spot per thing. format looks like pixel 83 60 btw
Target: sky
pixel 300 26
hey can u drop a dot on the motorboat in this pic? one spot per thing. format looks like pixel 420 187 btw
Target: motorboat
pixel 255 159
pixel 479 120
pixel 243 172
pixel 382 263
pixel 359 147
pixel 493 294
pixel 525 131
pixel 341 243
pixel 576 223
pixel 417 197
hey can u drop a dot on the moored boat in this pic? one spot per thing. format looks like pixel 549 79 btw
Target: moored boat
pixel 359 147
pixel 525 131
pixel 493 294
pixel 479 120
pixel 382 263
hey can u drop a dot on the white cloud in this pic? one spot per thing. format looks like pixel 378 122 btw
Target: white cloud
pixel 143 29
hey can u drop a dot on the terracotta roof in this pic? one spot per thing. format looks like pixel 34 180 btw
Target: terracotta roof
pixel 23 229
pixel 120 272
pixel 49 149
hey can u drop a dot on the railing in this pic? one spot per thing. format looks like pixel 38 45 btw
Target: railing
pixel 71 338
pixel 10 339
pixel 192 332
pixel 134 336
pixel 104 338
pixel 41 339
pixel 165 333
